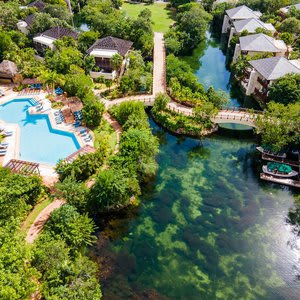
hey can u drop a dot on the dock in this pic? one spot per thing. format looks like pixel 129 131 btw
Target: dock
pixel 285 181
pixel 280 160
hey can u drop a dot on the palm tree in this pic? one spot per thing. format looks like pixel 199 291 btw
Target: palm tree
pixel 51 78
pixel 116 62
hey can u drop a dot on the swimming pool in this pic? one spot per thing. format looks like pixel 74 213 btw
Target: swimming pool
pixel 39 141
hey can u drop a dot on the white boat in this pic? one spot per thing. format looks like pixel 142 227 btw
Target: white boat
pixel 279 170
pixel 270 153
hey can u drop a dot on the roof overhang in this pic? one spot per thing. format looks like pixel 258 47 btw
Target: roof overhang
pixel 44 40
pixel 103 53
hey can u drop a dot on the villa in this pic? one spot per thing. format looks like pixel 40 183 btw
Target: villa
pixel 40 5
pixel 249 25
pixel 46 39
pixel 103 50
pixel 260 43
pixel 236 14
pixel 26 24
pixel 284 10
pixel 264 72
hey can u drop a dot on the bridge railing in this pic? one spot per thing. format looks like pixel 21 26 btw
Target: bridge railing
pixel 240 109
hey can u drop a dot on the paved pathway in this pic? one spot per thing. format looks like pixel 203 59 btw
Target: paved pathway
pixel 159 64
pixel 41 219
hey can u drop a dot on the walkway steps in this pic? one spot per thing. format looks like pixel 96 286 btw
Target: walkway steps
pixel 284 181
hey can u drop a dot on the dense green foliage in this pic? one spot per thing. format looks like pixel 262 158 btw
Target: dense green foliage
pixel 279 126
pixel 286 89
pixel 197 125
pixel 189 29
pixel 84 166
pixel 104 18
pixel 64 275
pixel 185 88
pixel 18 194
pixel 69 225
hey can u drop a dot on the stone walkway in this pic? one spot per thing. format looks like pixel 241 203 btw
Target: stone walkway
pixel 41 219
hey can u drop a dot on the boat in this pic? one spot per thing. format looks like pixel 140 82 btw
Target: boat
pixel 279 170
pixel 267 151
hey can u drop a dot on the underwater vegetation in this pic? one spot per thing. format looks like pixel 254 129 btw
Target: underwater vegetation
pixel 207 229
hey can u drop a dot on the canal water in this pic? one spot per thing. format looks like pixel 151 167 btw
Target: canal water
pixel 207 227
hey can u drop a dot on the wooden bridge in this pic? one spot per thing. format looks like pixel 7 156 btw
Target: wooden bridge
pixel 227 115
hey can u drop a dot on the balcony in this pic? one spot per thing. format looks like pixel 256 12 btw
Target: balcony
pixel 261 94
pixel 262 82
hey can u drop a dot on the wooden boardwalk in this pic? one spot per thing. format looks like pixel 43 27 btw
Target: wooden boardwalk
pixel 284 181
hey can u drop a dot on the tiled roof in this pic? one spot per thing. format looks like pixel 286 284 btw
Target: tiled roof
pixel 242 12
pixel 29 20
pixel 261 43
pixel 40 5
pixel 287 8
pixel 251 25
pixel 274 67
pixel 111 43
pixel 59 32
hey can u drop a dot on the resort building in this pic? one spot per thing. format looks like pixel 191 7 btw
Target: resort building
pixel 8 70
pixel 26 24
pixel 264 72
pixel 40 5
pixel 236 14
pixel 259 43
pixel 284 10
pixel 46 39
pixel 249 25
pixel 103 50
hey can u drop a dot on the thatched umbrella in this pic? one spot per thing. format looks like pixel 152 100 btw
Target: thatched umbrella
pixel 8 69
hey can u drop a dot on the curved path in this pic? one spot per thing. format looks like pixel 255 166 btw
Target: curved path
pixel 41 219
pixel 242 116
pixel 117 128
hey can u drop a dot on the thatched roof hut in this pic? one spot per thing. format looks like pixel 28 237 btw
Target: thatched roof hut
pixel 8 69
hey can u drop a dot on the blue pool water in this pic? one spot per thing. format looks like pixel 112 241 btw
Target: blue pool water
pixel 39 141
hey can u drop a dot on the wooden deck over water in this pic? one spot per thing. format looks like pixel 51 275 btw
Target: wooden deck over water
pixel 285 181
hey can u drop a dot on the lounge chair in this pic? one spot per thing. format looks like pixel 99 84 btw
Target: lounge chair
pixel 7 133
pixel 83 131
pixel 59 91
pixel 2 153
pixel 2 93
pixel 3 146
pixel 57 113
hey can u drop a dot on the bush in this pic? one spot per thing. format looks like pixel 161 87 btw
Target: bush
pixel 84 166
pixel 72 227
pixel 92 112
pixel 112 190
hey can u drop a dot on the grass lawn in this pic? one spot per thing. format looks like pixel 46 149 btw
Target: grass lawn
pixel 104 130
pixel 161 16
pixel 34 213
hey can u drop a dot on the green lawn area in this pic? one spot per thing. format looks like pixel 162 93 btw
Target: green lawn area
pixel 34 213
pixel 104 130
pixel 161 16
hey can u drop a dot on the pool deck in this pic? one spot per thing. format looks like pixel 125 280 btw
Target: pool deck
pixel 13 151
